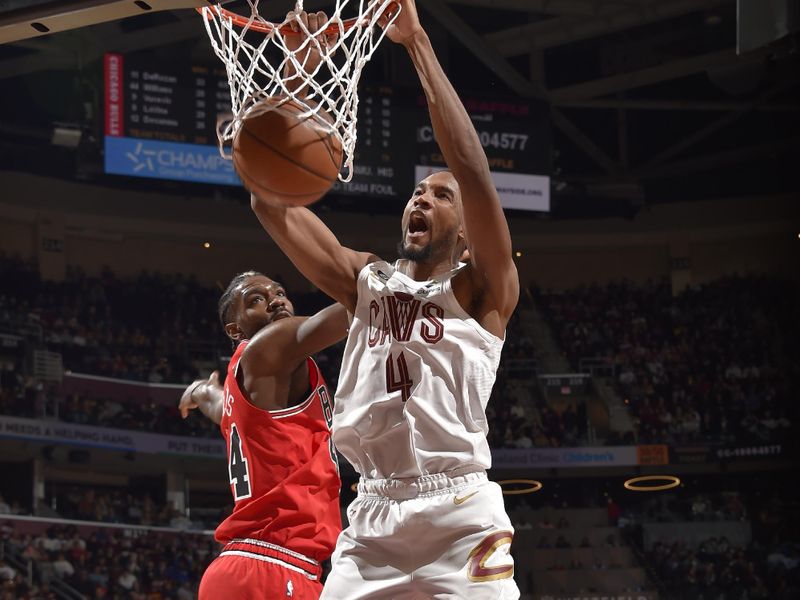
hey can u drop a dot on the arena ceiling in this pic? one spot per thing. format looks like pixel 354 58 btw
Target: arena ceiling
pixel 649 100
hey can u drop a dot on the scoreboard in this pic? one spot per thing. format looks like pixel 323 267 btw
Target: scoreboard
pixel 160 122
pixel 166 104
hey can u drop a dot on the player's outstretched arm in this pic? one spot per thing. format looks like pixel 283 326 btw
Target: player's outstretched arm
pixel 280 347
pixel 205 394
pixel 313 249
pixel 485 224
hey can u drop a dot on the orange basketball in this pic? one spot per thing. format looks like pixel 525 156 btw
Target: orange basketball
pixel 285 158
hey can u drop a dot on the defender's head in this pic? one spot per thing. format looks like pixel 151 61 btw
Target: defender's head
pixel 251 302
pixel 432 224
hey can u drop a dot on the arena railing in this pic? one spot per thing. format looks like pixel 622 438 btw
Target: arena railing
pixel 596 366
pixel 60 588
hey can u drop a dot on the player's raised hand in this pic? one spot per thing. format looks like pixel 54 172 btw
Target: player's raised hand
pixel 405 26
pixel 191 395
pixel 314 23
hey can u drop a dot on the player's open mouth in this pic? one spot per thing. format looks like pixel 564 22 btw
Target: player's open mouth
pixel 417 225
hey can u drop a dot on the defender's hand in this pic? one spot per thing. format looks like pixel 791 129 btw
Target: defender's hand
pixel 188 401
pixel 405 26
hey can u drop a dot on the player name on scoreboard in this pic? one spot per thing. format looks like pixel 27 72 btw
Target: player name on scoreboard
pixel 173 104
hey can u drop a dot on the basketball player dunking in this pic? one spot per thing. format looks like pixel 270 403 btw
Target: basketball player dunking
pixel 275 414
pixel 418 368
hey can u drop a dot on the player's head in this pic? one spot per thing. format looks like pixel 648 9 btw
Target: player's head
pixel 432 225
pixel 251 302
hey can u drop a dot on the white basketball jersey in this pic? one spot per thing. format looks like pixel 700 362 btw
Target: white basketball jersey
pixel 416 376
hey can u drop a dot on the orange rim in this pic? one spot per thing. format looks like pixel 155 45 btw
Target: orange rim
pixel 266 26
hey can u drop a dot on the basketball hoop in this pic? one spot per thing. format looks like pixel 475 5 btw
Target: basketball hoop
pixel 256 66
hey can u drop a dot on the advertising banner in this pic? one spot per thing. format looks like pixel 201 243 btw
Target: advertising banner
pixel 611 456
pixel 168 160
pixel 56 432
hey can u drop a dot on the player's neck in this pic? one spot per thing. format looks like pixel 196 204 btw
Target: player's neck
pixel 425 270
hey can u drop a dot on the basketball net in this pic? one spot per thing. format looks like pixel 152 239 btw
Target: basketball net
pixel 257 67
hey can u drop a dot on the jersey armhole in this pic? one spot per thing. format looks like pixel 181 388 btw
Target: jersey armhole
pixel 460 311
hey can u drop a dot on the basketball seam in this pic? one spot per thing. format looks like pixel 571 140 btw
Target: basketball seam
pixel 253 181
pixel 328 146
pixel 323 139
pixel 284 156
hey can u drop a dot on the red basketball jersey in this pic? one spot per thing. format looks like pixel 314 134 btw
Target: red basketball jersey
pixel 281 464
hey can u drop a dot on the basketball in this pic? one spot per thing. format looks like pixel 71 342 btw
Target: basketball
pixel 286 158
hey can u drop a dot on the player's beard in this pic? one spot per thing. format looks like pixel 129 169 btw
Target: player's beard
pixel 412 254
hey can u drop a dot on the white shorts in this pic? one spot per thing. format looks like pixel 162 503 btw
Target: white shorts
pixel 439 536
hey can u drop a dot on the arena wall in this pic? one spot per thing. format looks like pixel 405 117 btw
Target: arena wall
pixel 129 231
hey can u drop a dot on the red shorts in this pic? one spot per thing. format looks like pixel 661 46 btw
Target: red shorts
pixel 255 570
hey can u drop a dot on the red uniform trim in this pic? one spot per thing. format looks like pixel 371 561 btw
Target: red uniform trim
pixel 272 553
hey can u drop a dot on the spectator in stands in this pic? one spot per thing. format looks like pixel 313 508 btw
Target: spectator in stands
pixel 575 564
pixel 522 523
pixel 62 567
pixel 5 509
pixel 126 328
pixel 545 523
pixel 612 510
pixel 7 573
pixel 561 542
pixel 127 581
pixel 715 364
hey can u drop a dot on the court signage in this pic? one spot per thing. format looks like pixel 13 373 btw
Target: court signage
pixel 518 191
pixel 168 160
pixel 611 456
pixel 55 432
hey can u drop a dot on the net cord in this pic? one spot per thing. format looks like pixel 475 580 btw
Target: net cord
pixel 328 94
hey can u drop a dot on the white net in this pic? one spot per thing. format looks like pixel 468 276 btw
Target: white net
pixel 267 61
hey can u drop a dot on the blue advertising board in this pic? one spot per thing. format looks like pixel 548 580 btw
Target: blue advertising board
pixel 168 160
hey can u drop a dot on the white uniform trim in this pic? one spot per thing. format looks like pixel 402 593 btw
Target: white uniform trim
pixel 282 413
pixel 274 547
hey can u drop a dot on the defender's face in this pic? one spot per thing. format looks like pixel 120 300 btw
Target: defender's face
pixel 432 217
pixel 260 302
